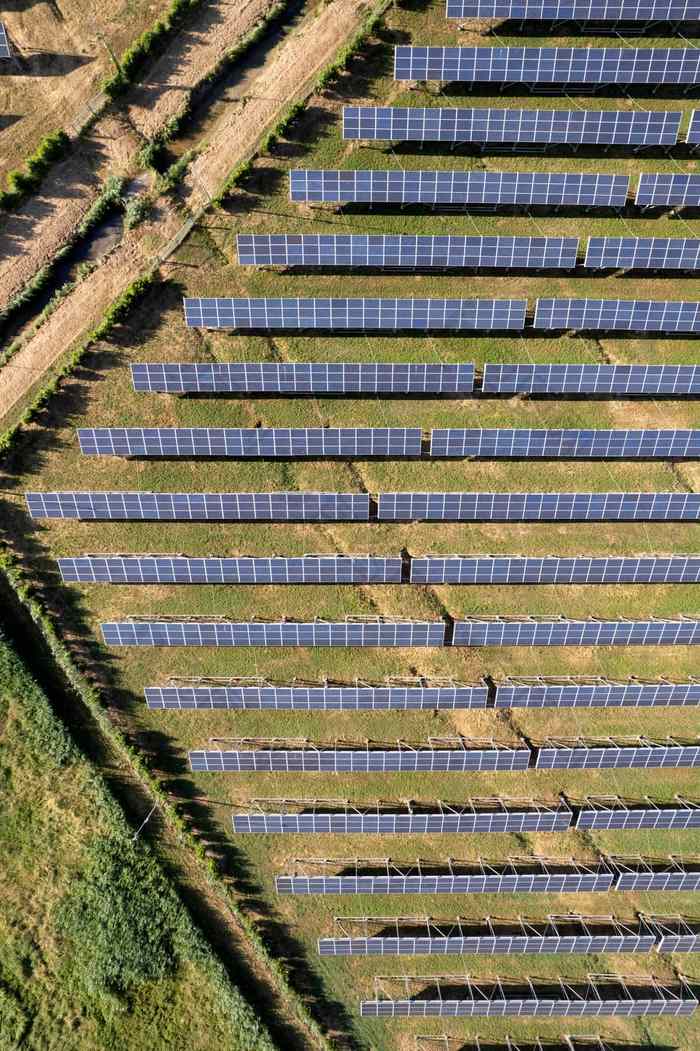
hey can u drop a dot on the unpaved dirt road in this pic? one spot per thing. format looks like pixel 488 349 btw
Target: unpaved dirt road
pixel 289 71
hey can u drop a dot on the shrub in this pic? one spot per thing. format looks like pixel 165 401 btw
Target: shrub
pixel 150 41
pixel 53 147
pixel 136 209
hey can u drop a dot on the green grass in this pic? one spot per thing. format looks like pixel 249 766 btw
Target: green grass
pixel 100 394
pixel 96 950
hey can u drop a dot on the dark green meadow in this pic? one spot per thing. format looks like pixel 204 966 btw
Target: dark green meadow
pixel 99 394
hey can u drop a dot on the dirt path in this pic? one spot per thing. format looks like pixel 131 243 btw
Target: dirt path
pixel 291 68
pixel 196 51
pixel 31 236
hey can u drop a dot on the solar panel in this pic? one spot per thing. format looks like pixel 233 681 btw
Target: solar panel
pixel 538 507
pixel 480 816
pixel 513 569
pixel 407 936
pixel 564 444
pixel 643 253
pixel 311 697
pixel 4 43
pixel 595 693
pixel 693 134
pixel 304 378
pixel 610 813
pixel 173 569
pixel 658 189
pixel 647 380
pixel 558 631
pixel 528 877
pixel 599 996
pixel 359 632
pixel 458 187
pixel 360 760
pixel 627 315
pixel 200 507
pixel 612 754
pixel 357 315
pixel 514 126
pixel 577 10
pixel 255 442
pixel 637 873
pixel 549 65
pixel 675 933
pixel 397 250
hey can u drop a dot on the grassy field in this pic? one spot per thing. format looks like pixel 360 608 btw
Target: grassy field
pixel 96 950
pixel 100 394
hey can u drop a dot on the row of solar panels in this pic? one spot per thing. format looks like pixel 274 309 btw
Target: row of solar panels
pixel 510 693
pixel 504 816
pixel 470 999
pixel 636 129
pixel 549 65
pixel 380 632
pixel 420 378
pixel 608 755
pixel 421 936
pixel 526 876
pixel 396 442
pixel 578 10
pixel 357 507
pixel 424 315
pixel 4 43
pixel 371 569
pixel 491 188
pixel 452 251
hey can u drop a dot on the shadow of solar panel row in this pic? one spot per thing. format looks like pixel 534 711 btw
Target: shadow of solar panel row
pixel 445 821
pixel 554 570
pixel 162 569
pixel 251 442
pixel 301 378
pixel 544 631
pixel 538 507
pixel 615 816
pixel 319 698
pixel 201 507
pixel 616 756
pixel 564 444
pixel 657 190
pixel 458 187
pixel 363 314
pixel 281 633
pixel 549 65
pixel 4 43
pixel 591 379
pixel 516 126
pixel 626 315
pixel 398 250
pixel 428 760
pixel 538 693
pixel 643 253
pixel 578 10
